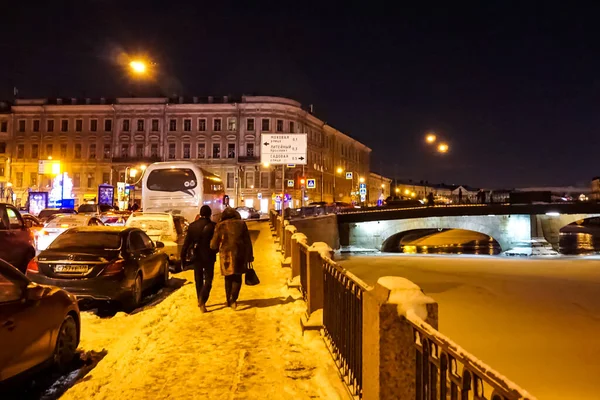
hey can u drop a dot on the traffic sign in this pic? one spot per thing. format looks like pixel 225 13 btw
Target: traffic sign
pixel 259 195
pixel 290 183
pixel 363 191
pixel 311 184
pixel 348 175
pixel 286 149
pixel 362 186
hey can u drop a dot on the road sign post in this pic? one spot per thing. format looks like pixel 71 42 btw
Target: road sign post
pixel 286 149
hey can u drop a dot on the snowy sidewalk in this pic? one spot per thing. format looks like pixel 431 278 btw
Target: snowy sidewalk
pixel 172 351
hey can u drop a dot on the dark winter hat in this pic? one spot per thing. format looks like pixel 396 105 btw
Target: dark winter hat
pixel 205 211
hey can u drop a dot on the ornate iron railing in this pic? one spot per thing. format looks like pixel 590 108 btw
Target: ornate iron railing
pixel 342 322
pixel 446 371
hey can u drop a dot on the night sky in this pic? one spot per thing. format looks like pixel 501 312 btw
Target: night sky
pixel 512 88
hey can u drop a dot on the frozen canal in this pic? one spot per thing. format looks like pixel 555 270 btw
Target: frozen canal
pixel 537 321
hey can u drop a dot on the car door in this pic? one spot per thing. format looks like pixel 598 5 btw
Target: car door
pixel 138 252
pixel 25 331
pixel 153 258
pixel 6 239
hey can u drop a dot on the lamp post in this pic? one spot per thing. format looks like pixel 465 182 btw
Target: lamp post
pixel 339 171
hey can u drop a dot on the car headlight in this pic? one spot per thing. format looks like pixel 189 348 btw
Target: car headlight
pixel 244 214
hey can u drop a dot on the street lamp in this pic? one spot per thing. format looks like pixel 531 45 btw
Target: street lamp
pixel 138 67
pixel 430 138
pixel 266 165
pixel 340 170
pixel 361 179
pixel 443 148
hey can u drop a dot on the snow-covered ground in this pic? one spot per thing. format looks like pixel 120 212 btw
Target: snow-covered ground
pixel 168 349
pixel 537 321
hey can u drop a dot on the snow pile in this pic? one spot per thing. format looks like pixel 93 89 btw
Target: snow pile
pixel 291 228
pixel 322 248
pixel 170 350
pixel 408 296
pixel 300 237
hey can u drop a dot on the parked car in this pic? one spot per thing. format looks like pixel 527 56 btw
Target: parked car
pixel 160 227
pixel 31 221
pixel 94 209
pixel 60 223
pixel 47 213
pixel 248 213
pixel 39 325
pixel 102 263
pixel 16 239
pixel 115 218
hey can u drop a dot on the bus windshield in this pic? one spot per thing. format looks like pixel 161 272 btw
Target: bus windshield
pixel 172 180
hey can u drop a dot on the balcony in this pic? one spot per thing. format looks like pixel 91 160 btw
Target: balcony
pixel 132 160
pixel 249 159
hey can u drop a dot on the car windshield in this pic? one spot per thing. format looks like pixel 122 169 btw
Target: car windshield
pixel 150 224
pixel 85 241
pixel 66 221
pixel 87 208
pixel 47 213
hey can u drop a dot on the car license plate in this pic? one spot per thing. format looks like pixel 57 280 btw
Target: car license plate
pixel 70 268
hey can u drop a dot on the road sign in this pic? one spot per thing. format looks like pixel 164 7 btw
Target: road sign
pixel 362 186
pixel 48 167
pixel 311 184
pixel 363 198
pixel 286 149
pixel 259 195
pixel 291 165
pixel 348 175
pixel 363 191
pixel 290 183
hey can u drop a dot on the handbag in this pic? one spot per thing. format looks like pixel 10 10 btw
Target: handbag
pixel 251 278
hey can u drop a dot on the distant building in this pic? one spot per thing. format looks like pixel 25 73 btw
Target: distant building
pixel 378 187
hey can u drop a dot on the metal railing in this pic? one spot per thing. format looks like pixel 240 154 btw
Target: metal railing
pixel 444 370
pixel 303 269
pixel 342 322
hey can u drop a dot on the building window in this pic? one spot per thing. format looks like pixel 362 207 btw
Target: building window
pixel 266 124
pixel 187 125
pixel 139 150
pixel 107 152
pixel 21 125
pixel 77 151
pixel 250 149
pixel 50 125
pixel 173 125
pixel 201 150
pixel 78 125
pixel 124 150
pixel 2 147
pixel 36 125
pixel 33 178
pixel 76 179
pixel 4 126
pixel 171 151
pixel 140 125
pixel 154 125
pixel 216 153
pixel 20 151
pixel 92 153
pixel 126 125
pixel 106 177
pixel 108 125
pixel 35 152
pixel 187 153
pixel 202 124
pixel 230 150
pixel 90 180
pixel 231 124
pixel 230 180
pixel 264 180
pixel 19 179
pixel 63 151
pixel 49 150
pixel 1 171
pixel 250 179
pixel 250 124
pixel 154 150
pixel 217 124
pixel 279 126
pixel 292 127
pixel 64 125
pixel 93 125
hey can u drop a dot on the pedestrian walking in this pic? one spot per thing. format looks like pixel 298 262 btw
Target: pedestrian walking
pixel 232 240
pixel 430 200
pixel 198 239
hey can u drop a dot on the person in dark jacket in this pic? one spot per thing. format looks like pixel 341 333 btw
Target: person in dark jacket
pixel 233 242
pixel 198 238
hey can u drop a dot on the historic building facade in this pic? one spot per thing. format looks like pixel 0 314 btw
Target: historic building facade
pixel 96 140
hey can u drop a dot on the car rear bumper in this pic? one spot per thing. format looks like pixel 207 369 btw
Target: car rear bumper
pixel 101 288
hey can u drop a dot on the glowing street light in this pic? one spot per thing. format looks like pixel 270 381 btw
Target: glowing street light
pixel 397 190
pixel 406 191
pixel 138 67
pixel 143 167
pixel 430 138
pixel 361 179
pixel 443 148
pixel 340 170
pixel 133 172
pixel 266 165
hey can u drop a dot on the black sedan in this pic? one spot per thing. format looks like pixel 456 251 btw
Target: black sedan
pixel 102 263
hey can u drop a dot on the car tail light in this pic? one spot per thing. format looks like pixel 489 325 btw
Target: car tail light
pixel 33 266
pixel 114 268
pixel 43 232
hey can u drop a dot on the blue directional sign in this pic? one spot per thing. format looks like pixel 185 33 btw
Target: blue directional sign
pixel 363 186
pixel 311 183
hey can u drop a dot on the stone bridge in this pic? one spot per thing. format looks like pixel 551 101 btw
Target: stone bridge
pixel 507 224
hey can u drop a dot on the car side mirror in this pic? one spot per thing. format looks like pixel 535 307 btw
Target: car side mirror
pixel 160 245
pixel 34 292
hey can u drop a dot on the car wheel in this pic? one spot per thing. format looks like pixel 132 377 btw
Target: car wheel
pixel 164 279
pixel 136 293
pixel 66 343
